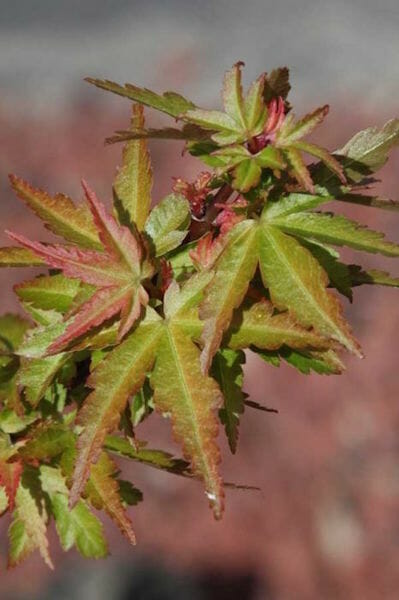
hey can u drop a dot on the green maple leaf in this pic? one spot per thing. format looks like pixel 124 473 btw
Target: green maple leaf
pixel 227 370
pixel 77 526
pixel 295 280
pixel 243 117
pixel 180 389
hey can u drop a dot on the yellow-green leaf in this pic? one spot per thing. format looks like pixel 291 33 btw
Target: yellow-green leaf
pixel 59 214
pixel 336 230
pixel 297 282
pixel 133 183
pixel 233 272
pixel 190 398
pixel 120 375
pixel 27 531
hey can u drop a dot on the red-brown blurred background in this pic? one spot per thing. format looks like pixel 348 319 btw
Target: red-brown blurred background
pixel 326 523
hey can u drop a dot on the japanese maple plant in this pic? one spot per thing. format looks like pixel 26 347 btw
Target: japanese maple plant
pixel 151 308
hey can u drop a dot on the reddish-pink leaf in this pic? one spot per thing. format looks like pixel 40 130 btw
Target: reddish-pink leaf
pixel 104 304
pixel 88 265
pixel 117 239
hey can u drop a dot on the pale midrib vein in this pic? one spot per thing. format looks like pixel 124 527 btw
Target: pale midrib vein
pixel 300 284
pixel 189 405
pixel 376 243
pixel 238 271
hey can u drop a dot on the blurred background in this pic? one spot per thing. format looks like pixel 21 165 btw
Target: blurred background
pixel 326 522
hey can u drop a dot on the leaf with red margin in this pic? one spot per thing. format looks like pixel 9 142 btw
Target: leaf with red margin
pixel 120 375
pixel 133 183
pixel 103 493
pixel 27 531
pixel 180 390
pixel 59 213
pixel 10 475
pixel 117 273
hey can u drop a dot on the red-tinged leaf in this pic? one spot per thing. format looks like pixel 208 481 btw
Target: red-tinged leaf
pixel 88 265
pixel 207 250
pixel 234 270
pixel 117 272
pixel 131 310
pixel 254 107
pixel 103 493
pixel 120 375
pixel 117 239
pixel 232 94
pixel 10 475
pixel 133 183
pixel 291 131
pixel 27 531
pixel 104 304
pixel 300 170
pixel 59 214
pixel 190 398
pixel 324 156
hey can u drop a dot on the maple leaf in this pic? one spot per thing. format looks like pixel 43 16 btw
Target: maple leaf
pixel 117 273
pixel 295 279
pixel 243 117
pixel 180 389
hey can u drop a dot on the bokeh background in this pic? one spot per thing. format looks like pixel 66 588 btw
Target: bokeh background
pixel 326 523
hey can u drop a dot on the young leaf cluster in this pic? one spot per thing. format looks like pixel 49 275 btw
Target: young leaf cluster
pixel 139 309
